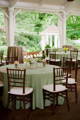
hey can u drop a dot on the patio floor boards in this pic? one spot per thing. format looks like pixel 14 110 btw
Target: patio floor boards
pixel 48 113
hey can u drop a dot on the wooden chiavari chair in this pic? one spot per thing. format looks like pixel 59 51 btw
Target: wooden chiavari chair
pixel 53 91
pixel 16 87
pixel 72 80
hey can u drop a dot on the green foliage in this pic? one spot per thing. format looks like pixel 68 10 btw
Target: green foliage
pixel 35 21
pixel 28 26
pixel 1 18
pixel 73 27
pixel 2 38
pixel 47 46
pixel 3 49
pixel 30 42
pixel 2 33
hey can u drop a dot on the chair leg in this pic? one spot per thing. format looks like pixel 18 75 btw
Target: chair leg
pixel 24 102
pixel 76 94
pixel 9 100
pixel 67 101
pixel 31 96
pixel 43 99
pixel 14 102
pixel 56 99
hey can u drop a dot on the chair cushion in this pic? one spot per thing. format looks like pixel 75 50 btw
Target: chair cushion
pixel 59 88
pixel 19 91
pixel 71 81
pixel 1 84
pixel 73 60
pixel 57 60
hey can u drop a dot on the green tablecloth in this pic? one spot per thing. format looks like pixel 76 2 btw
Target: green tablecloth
pixel 36 77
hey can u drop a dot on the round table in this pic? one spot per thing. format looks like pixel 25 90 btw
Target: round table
pixel 37 75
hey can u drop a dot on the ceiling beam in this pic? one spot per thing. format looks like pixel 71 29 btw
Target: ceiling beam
pixel 4 3
pixel 12 3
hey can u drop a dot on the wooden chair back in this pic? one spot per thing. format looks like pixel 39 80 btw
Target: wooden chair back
pixel 74 54
pixel 67 62
pixel 16 78
pixel 53 55
pixel 59 76
pixel 71 66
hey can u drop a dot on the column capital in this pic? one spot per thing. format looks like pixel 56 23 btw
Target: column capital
pixel 11 9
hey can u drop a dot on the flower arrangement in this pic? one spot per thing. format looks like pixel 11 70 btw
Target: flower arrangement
pixel 16 63
pixel 44 62
pixel 66 49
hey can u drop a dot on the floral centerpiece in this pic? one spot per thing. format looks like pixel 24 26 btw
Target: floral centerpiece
pixel 66 49
pixel 16 63
pixel 39 60
pixel 30 61
pixel 44 62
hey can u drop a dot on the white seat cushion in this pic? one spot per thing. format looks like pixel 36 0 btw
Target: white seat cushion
pixel 57 60
pixel 74 60
pixel 59 88
pixel 19 91
pixel 47 58
pixel 71 81
pixel 1 84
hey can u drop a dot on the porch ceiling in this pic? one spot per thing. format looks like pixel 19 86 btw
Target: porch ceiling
pixel 45 2
pixel 63 5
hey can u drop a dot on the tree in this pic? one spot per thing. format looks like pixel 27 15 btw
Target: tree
pixel 73 27
pixel 28 26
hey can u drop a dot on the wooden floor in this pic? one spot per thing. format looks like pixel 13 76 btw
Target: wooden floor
pixel 60 113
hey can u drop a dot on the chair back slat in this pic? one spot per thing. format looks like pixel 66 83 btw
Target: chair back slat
pixel 16 78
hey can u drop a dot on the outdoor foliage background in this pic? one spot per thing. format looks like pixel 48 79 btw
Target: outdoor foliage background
pixel 30 24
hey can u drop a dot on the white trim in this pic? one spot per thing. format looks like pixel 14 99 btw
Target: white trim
pixel 12 3
pixel 4 3
pixel 35 6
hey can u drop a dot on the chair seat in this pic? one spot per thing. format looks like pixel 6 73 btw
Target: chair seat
pixel 69 75
pixel 53 60
pixel 73 60
pixel 1 84
pixel 58 88
pixel 19 91
pixel 70 81
pixel 47 58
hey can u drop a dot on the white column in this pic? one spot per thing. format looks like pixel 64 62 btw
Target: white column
pixel 5 10
pixel 62 29
pixel 50 38
pixel 56 41
pixel 11 27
